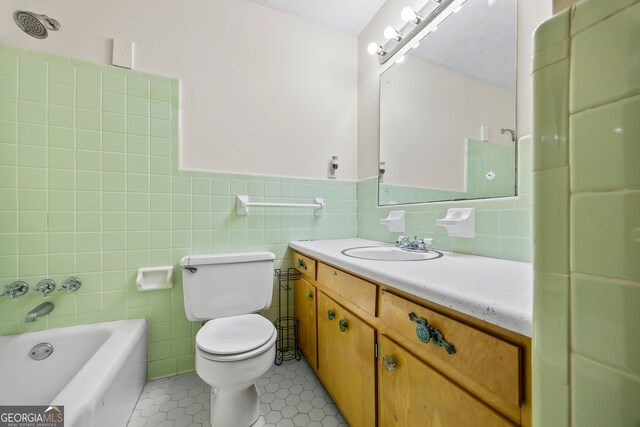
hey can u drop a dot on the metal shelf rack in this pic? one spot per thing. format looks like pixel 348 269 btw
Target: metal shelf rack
pixel 286 323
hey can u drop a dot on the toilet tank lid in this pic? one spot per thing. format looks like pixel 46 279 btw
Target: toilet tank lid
pixel 226 258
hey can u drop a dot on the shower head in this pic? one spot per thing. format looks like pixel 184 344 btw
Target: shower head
pixel 35 25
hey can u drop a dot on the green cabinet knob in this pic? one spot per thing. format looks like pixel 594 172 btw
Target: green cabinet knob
pixel 389 363
pixel 309 295
pixel 342 324
pixel 301 264
pixel 331 314
pixel 426 333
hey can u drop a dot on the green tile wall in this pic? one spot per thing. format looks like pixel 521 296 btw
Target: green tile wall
pixel 481 157
pixel 503 225
pixel 392 194
pixel 90 187
pixel 586 348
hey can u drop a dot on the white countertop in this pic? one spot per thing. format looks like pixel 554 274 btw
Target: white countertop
pixel 497 291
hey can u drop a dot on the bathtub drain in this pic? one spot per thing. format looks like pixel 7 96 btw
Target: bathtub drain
pixel 41 351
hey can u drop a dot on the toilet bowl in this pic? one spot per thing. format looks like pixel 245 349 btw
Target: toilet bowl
pixel 232 370
pixel 235 346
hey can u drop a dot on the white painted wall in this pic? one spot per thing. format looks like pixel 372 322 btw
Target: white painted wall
pixel 530 14
pixel 264 92
pixel 426 113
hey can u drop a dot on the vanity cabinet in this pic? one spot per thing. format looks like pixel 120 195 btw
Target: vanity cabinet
pixel 480 357
pixel 392 359
pixel 351 288
pixel 346 363
pixel 305 296
pixel 305 265
pixel 411 393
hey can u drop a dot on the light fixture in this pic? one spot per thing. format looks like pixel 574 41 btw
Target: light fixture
pixel 458 9
pixel 374 49
pixel 415 46
pixel 418 21
pixel 400 60
pixel 390 33
pixel 409 15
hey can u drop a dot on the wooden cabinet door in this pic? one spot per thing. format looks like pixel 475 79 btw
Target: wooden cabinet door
pixel 305 309
pixel 410 393
pixel 346 361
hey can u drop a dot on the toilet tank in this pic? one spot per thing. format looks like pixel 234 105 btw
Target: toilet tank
pixel 222 285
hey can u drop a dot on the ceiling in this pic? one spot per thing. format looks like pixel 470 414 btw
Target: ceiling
pixel 478 41
pixel 348 15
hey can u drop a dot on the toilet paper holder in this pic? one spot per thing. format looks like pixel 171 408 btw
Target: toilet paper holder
pixel 154 278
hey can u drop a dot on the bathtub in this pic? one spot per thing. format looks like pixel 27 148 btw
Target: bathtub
pixel 96 371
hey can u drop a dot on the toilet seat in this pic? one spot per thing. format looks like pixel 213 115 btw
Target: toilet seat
pixel 235 338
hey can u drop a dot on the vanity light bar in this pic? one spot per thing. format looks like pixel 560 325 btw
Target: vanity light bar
pixel 390 33
pixel 416 22
pixel 374 49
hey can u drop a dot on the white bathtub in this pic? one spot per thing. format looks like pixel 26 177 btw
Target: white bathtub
pixel 96 371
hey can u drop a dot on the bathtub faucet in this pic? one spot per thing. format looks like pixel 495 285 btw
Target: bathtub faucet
pixel 41 310
pixel 15 289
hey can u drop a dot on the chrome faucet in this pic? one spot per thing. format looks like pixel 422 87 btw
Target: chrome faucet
pixel 15 289
pixel 70 284
pixel 415 245
pixel 41 310
pixel 45 287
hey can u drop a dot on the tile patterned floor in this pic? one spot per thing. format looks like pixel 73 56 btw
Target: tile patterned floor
pixel 290 395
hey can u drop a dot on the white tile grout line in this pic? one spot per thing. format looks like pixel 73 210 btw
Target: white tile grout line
pixel 290 395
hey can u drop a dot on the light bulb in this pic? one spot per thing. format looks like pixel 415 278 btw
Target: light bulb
pixel 372 48
pixel 415 46
pixel 391 34
pixel 407 14
pixel 400 60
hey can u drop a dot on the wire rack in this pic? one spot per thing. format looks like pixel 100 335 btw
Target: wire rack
pixel 286 323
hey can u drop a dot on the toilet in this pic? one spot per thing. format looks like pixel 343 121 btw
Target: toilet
pixel 235 346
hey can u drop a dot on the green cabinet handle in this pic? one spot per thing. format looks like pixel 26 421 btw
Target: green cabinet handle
pixel 331 314
pixel 389 363
pixel 426 333
pixel 309 295
pixel 342 324
pixel 301 263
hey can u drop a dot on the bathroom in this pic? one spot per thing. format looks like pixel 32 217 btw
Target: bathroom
pixel 126 139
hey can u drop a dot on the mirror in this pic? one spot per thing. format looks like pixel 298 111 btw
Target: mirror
pixel 448 110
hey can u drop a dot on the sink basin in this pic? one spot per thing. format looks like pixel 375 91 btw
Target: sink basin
pixel 389 253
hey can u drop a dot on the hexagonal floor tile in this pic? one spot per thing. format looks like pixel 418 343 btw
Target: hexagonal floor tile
pixel 290 396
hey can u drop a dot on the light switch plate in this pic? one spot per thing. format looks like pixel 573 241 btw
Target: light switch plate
pixel 122 53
